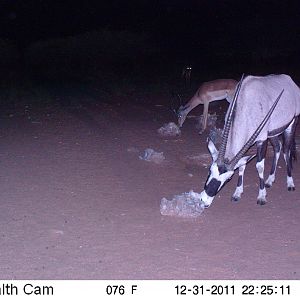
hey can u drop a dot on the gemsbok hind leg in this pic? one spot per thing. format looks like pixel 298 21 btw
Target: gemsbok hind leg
pixel 260 166
pixel 289 152
pixel 277 145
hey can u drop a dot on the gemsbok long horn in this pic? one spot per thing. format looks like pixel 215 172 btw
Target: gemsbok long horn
pixel 227 126
pixel 251 140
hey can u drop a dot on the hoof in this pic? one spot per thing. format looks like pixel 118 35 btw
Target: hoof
pixel 291 188
pixel 267 185
pixel 235 198
pixel 261 201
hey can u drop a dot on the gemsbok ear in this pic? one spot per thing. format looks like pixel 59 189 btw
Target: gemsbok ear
pixel 213 150
pixel 243 161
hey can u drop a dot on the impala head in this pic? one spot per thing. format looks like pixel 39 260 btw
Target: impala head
pixel 221 169
pixel 181 115
pixel 180 112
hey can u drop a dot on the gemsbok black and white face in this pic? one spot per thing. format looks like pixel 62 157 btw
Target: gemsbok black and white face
pixel 218 175
pixel 222 169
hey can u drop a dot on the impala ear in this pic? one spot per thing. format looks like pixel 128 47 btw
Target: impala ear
pixel 244 160
pixel 213 150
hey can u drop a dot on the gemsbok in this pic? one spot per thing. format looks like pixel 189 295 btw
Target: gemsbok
pixel 210 91
pixel 262 108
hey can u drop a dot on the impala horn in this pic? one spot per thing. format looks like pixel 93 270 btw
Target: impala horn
pixel 227 126
pixel 252 139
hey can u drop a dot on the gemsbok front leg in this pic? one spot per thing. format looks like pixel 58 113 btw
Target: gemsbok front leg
pixel 260 166
pixel 276 144
pixel 240 185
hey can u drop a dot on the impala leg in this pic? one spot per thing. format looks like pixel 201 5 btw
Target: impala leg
pixel 205 115
pixel 289 152
pixel 260 166
pixel 277 148
pixel 240 185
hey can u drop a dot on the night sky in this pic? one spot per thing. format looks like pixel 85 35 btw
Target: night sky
pixel 192 28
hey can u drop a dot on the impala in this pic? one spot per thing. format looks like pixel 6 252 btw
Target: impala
pixel 262 108
pixel 208 91
pixel 186 76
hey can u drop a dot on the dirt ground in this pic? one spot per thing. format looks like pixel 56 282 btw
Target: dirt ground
pixel 78 203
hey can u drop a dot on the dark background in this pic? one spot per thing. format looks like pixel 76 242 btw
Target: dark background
pixel 84 86
pixel 83 41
